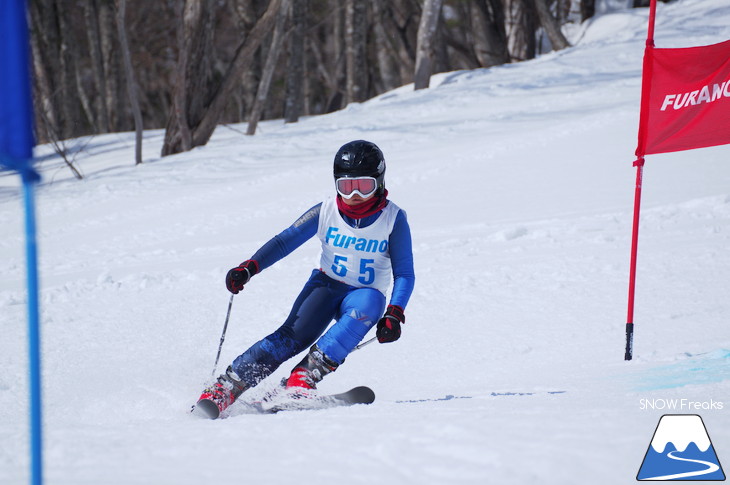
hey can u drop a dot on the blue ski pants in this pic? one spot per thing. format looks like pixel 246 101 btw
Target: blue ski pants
pixel 321 300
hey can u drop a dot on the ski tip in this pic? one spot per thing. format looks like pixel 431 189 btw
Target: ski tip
pixel 206 409
pixel 363 394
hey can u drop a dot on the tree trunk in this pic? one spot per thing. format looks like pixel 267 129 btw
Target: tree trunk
pixel 330 80
pixel 85 104
pixel 70 107
pixel 295 71
pixel 131 83
pixel 424 48
pixel 244 56
pixel 47 118
pixel 91 14
pixel 268 72
pixel 355 36
pixel 244 11
pixel 562 10
pixel 178 136
pixel 339 51
pixel 201 131
pixel 386 64
pixel 337 64
pixel 114 95
pixel 551 26
pixel 401 32
pixel 490 16
pixel 521 32
pixel 587 9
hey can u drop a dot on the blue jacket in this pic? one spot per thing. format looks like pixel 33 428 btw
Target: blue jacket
pixel 400 246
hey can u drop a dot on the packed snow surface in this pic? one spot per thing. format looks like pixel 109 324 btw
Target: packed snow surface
pixel 519 188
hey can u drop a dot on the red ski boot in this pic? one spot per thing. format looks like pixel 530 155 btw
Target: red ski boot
pixel 300 384
pixel 304 377
pixel 216 398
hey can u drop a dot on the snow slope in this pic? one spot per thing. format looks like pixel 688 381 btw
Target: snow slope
pixel 518 185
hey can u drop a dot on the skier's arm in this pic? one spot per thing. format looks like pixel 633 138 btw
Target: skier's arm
pixel 275 249
pixel 401 258
pixel 289 239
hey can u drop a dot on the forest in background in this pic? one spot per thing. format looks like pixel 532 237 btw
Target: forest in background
pixel 105 66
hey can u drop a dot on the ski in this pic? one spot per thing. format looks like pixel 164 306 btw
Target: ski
pixel 356 395
pixel 275 403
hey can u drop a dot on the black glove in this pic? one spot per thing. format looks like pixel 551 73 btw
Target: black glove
pixel 389 326
pixel 239 276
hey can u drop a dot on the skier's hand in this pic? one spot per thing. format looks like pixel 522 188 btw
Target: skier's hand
pixel 389 326
pixel 239 276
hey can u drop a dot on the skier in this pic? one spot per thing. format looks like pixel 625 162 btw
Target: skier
pixel 365 237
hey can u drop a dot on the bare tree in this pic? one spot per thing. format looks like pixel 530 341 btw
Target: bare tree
pixel 72 111
pixel 355 38
pixel 424 48
pixel 551 25
pixel 199 63
pixel 402 20
pixel 191 76
pixel 387 64
pixel 56 53
pixel 521 26
pixel 91 15
pixel 201 131
pixel 337 61
pixel 295 70
pixel 587 9
pixel 131 83
pixel 114 95
pixel 490 36
pixel 44 67
pixel 272 57
pixel 329 79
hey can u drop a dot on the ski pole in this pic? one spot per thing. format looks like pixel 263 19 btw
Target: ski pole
pixel 358 347
pixel 223 335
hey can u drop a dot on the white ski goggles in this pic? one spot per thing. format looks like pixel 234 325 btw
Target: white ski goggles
pixel 362 186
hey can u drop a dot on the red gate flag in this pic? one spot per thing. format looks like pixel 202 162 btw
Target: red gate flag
pixel 685 104
pixel 687 101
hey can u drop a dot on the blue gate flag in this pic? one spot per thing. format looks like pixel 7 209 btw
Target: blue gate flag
pixel 16 106
pixel 16 153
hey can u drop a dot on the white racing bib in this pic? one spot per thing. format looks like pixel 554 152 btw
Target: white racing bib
pixel 356 256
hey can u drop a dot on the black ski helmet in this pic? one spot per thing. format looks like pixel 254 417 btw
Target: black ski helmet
pixel 360 158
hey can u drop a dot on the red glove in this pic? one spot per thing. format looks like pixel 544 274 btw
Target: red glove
pixel 239 276
pixel 389 326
